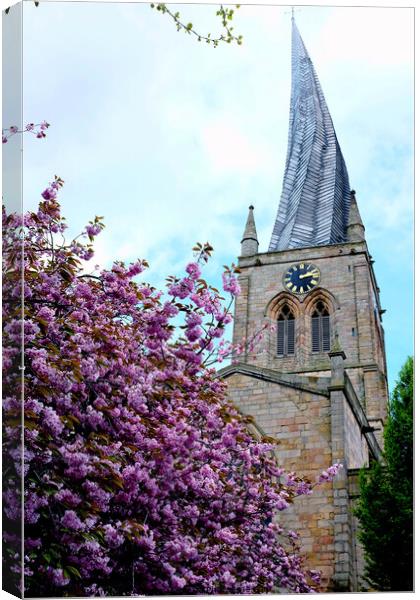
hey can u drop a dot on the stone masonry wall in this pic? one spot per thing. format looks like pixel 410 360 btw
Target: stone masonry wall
pixel 356 448
pixel 300 421
pixel 358 565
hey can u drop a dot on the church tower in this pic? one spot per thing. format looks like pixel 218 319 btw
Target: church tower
pixel 317 381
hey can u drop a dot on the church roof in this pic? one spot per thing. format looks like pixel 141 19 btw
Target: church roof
pixel 315 200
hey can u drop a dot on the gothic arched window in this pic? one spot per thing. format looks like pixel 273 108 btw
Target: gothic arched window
pixel 320 328
pixel 285 332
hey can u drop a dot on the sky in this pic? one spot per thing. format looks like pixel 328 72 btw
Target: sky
pixel 171 140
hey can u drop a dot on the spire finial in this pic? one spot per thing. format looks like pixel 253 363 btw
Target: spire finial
pixel 293 13
pixel 249 241
pixel 355 227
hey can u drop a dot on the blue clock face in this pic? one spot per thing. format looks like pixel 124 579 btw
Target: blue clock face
pixel 301 278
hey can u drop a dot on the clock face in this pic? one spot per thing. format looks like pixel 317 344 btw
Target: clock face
pixel 302 278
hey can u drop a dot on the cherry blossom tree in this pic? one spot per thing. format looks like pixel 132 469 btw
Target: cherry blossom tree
pixel 140 476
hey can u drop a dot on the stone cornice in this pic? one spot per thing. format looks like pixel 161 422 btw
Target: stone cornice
pixel 309 253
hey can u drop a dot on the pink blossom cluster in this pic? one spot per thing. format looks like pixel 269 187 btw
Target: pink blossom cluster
pixel 37 129
pixel 330 473
pixel 250 345
pixel 140 476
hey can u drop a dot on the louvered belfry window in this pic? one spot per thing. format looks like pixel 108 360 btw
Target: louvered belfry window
pixel 320 328
pixel 286 332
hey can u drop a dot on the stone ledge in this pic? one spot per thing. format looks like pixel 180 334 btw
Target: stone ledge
pixel 339 387
pixel 327 367
pixel 271 376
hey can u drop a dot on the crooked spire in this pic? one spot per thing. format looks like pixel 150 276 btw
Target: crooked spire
pixel 315 200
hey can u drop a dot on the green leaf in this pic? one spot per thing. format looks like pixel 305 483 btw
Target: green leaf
pixel 73 571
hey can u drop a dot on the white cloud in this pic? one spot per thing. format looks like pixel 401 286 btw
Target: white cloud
pixel 379 37
pixel 230 149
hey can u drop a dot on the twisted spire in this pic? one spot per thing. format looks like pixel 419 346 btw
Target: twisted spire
pixel 315 200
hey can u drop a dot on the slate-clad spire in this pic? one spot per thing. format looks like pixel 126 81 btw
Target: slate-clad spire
pixel 315 200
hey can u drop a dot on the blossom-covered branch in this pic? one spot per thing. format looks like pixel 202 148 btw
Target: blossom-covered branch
pixel 37 129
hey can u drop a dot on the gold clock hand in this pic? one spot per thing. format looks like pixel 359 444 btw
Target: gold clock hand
pixel 307 275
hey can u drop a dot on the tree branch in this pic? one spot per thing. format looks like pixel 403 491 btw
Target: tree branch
pixel 226 15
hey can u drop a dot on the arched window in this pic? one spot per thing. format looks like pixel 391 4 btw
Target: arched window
pixel 320 328
pixel 285 332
